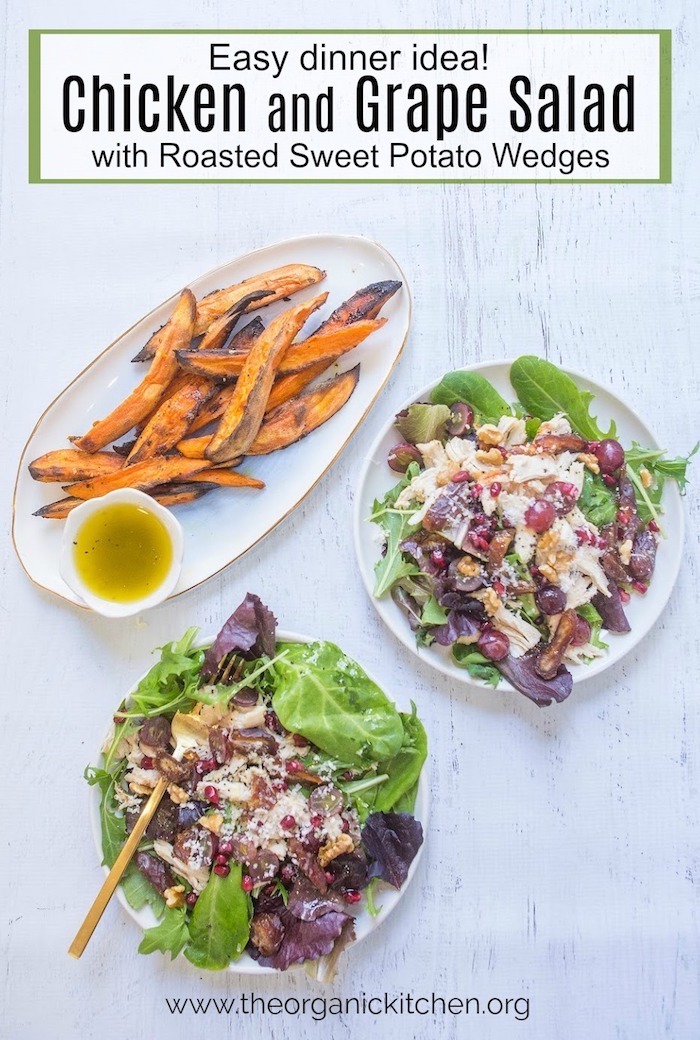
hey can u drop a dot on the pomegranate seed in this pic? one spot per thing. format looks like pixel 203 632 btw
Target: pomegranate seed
pixel 499 587
pixel 653 526
pixel 316 820
pixel 601 543
pixel 583 536
pixel 247 883
pixel 294 765
pixel 118 719
pixel 623 516
pixel 346 827
pixel 287 823
pixel 191 898
pixel 592 446
pixel 298 740
pixel 211 794
pixel 495 489
pixel 330 878
pixel 221 860
pixel 205 765
pixel 225 848
pixel 609 479
pixel 280 785
pixel 222 869
pixel 624 595
pixel 437 557
pixel 504 453
pixel 535 572
pixel 640 587
pixel 478 489
pixel 461 476
pixel 352 896
pixel 147 762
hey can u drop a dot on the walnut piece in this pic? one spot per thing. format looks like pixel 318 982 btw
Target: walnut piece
pixel 177 794
pixel 548 572
pixel 589 461
pixel 491 600
pixel 625 551
pixel 212 822
pixel 489 435
pixel 334 848
pixel 468 567
pixel 492 457
pixel 174 897
pixel 140 788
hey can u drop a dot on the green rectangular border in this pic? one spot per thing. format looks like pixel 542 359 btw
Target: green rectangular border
pixel 665 93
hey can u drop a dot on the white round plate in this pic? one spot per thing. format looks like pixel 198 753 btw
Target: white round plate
pixel 223 525
pixel 376 479
pixel 387 897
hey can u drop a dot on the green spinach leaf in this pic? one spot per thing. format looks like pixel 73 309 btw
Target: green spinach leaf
pixel 476 391
pixel 220 922
pixel 170 936
pixel 328 698
pixel 404 769
pixel 545 391
pixel 433 613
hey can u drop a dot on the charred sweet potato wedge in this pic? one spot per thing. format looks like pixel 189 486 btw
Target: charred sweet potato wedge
pixel 321 346
pixel 244 414
pixel 278 284
pixel 142 476
pixel 176 335
pixel 168 495
pixel 295 419
pixel 365 303
pixel 287 387
pixel 71 464
pixel 172 420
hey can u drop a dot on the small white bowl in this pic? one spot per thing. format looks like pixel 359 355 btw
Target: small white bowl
pixel 69 573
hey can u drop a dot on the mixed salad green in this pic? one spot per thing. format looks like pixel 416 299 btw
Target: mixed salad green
pixel 518 531
pixel 292 803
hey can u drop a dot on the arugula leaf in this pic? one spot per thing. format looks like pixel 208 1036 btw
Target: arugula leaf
pixel 478 666
pixel 475 390
pixel 545 391
pixel 329 699
pixel 433 613
pixel 423 423
pixel 220 922
pixel 661 469
pixel 170 936
pixel 404 769
pixel 597 501
pixel 172 683
pixel 113 826
pixel 395 523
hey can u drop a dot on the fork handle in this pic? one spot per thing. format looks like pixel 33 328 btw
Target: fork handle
pixel 122 861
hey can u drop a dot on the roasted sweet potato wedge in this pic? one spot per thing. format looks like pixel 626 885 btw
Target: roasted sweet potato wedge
pixel 226 478
pixel 71 464
pixel 321 346
pixel 167 495
pixel 279 283
pixel 172 420
pixel 365 303
pixel 143 475
pixel 287 387
pixel 194 447
pixel 244 414
pixel 176 335
pixel 293 420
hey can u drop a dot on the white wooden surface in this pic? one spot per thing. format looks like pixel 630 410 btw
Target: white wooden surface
pixel 563 850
